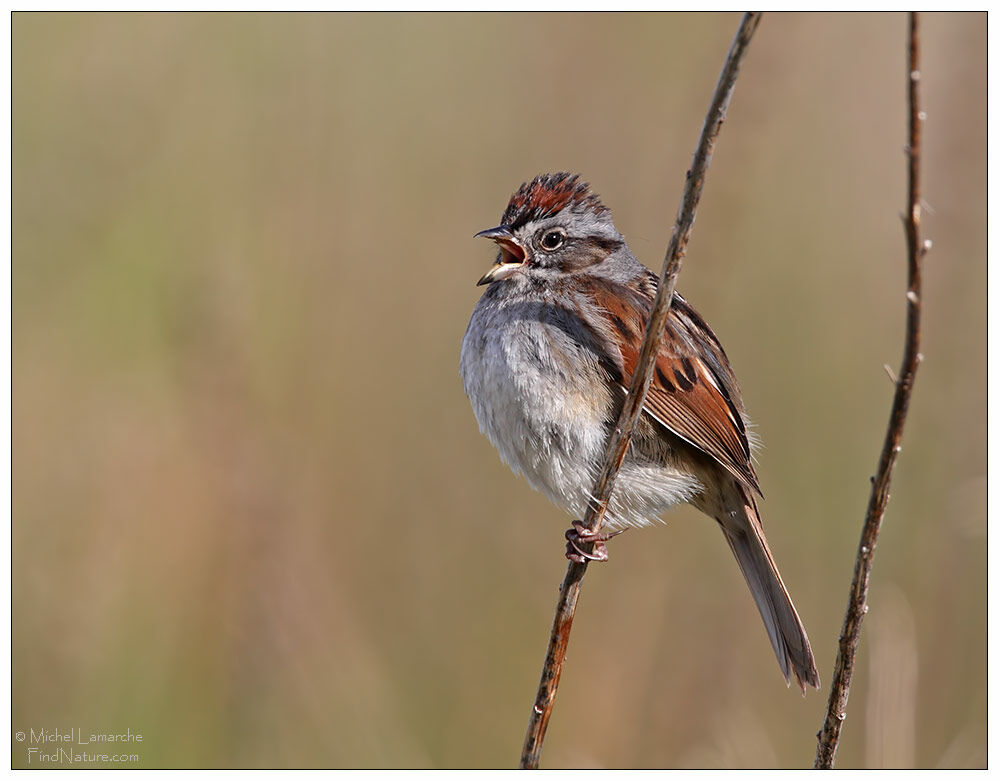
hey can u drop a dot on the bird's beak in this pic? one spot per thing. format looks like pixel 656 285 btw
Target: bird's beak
pixel 511 258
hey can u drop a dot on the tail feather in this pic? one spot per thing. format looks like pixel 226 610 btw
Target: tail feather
pixel 744 534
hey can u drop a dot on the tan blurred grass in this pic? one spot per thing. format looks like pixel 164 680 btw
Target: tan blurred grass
pixel 250 501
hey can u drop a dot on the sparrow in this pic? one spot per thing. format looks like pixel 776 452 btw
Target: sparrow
pixel 546 362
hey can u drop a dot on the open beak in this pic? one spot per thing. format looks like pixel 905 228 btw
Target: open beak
pixel 512 256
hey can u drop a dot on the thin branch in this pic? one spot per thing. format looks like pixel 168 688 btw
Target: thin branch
pixel 828 737
pixel 620 438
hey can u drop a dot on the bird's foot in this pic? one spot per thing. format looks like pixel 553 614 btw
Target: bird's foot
pixel 579 536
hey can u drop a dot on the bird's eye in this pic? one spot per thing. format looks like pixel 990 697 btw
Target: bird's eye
pixel 552 240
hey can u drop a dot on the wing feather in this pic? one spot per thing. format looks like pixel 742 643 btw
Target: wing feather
pixel 693 393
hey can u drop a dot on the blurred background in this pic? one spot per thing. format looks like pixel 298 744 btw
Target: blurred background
pixel 254 518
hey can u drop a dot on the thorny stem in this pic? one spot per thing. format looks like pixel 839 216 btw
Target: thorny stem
pixel 828 736
pixel 620 438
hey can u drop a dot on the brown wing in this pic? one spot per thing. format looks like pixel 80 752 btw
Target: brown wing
pixel 693 392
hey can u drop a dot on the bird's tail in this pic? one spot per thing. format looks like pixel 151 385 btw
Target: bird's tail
pixel 744 534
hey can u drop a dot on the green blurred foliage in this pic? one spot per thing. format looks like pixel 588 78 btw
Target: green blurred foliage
pixel 254 519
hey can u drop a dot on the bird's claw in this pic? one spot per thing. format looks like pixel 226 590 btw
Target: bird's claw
pixel 579 535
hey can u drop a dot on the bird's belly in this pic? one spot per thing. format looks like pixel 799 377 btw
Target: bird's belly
pixel 543 415
pixel 547 416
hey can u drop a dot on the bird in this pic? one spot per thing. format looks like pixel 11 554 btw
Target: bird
pixel 546 362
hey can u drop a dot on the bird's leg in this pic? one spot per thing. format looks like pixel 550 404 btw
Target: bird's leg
pixel 580 535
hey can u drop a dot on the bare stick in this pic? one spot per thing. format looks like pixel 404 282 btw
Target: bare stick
pixel 620 438
pixel 849 639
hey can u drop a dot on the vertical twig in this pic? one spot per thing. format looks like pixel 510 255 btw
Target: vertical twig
pixel 828 736
pixel 617 444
